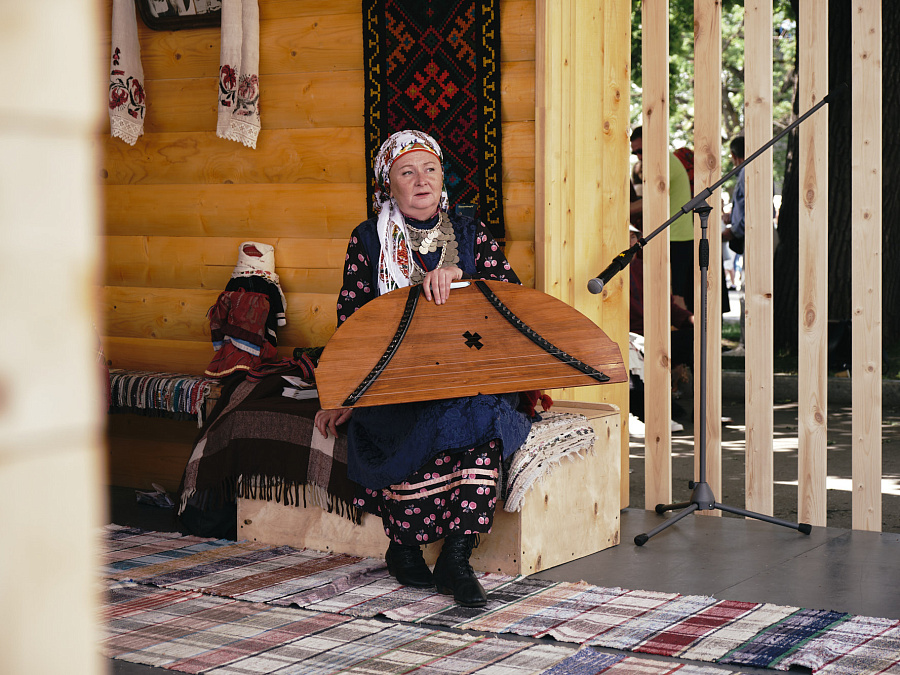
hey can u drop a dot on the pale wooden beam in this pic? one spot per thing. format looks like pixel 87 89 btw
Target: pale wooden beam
pixel 812 386
pixel 657 276
pixel 758 257
pixel 707 171
pixel 52 410
pixel 582 60
pixel 866 184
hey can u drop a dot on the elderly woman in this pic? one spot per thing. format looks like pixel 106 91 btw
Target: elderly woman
pixel 429 469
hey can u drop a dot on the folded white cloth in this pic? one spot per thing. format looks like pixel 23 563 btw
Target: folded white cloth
pixel 126 75
pixel 239 73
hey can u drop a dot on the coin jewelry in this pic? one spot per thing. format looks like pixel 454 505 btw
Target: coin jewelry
pixel 424 242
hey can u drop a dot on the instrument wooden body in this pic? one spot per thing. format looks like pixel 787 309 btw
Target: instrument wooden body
pixel 490 337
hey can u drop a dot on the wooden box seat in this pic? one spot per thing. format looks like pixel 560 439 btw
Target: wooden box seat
pixel 570 512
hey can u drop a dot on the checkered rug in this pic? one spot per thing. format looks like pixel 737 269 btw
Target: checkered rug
pixel 202 605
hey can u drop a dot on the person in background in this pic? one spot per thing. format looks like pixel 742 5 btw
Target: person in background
pixel 681 232
pixel 429 469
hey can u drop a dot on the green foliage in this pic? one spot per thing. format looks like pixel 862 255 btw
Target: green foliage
pixel 681 73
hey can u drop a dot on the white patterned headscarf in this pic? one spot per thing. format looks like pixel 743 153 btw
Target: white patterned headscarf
pixel 394 262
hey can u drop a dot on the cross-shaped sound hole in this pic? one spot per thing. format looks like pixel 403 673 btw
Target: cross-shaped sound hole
pixel 473 340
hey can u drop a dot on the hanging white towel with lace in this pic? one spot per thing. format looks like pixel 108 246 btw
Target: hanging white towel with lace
pixel 238 118
pixel 126 75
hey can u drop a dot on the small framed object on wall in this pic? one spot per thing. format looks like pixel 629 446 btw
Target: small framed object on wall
pixel 180 14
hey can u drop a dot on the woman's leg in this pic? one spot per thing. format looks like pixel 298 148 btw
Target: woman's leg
pixel 452 497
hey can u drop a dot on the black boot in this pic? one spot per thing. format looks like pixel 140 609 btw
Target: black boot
pixel 453 574
pixel 407 565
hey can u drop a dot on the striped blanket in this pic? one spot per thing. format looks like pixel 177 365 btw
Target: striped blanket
pixel 264 445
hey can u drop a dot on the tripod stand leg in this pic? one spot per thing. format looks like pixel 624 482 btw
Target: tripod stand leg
pixel 662 508
pixel 803 528
pixel 642 539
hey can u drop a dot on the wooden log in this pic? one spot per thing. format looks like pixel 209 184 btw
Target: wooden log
pixel 517 91
pixel 291 100
pixel 253 210
pixel 174 356
pixel 281 156
pixel 302 100
pixel 326 42
pixel 159 261
pixel 181 314
pixel 259 210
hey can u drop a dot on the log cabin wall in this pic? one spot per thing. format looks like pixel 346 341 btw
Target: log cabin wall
pixel 180 201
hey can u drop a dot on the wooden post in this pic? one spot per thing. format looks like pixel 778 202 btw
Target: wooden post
pixel 812 387
pixel 758 258
pixel 50 388
pixel 581 168
pixel 657 286
pixel 708 170
pixel 866 178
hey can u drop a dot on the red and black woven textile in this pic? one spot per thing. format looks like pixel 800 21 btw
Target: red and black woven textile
pixel 434 65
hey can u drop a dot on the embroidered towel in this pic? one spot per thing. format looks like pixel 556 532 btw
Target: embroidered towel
pixel 239 73
pixel 126 75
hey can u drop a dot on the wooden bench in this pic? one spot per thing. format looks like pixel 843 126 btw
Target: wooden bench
pixel 145 446
pixel 571 513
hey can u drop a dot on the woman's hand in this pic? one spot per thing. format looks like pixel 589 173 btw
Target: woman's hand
pixel 436 284
pixel 331 419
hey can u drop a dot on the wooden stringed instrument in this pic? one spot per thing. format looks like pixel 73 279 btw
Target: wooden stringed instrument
pixel 490 337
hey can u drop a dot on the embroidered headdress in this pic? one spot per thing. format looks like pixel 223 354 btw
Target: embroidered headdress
pixel 258 260
pixel 394 262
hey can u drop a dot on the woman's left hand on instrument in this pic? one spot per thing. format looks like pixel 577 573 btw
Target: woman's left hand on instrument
pixel 329 420
pixel 436 284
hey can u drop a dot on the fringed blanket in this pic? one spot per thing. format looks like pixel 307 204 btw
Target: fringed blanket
pixel 264 445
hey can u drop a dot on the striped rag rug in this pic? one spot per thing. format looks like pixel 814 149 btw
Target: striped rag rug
pixel 147 570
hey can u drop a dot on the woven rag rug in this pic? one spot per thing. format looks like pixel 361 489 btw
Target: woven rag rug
pixel 435 66
pixel 173 600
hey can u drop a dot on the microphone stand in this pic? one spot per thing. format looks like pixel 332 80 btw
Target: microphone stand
pixel 702 496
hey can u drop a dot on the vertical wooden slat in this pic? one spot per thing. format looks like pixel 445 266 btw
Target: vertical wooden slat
pixel 581 167
pixel 613 189
pixel 866 178
pixel 51 453
pixel 758 257
pixel 812 387
pixel 657 286
pixel 708 170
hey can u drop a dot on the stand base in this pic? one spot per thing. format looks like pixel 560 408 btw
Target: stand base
pixel 702 499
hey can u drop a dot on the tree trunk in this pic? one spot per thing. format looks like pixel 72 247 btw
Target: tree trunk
pixel 839 193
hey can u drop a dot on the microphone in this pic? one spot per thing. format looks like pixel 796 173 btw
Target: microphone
pixel 619 263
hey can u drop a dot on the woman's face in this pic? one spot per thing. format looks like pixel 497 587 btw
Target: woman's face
pixel 416 182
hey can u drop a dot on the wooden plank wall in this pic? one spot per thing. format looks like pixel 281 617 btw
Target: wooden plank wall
pixel 179 202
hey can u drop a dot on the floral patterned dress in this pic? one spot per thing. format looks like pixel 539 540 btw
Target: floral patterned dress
pixel 430 469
